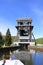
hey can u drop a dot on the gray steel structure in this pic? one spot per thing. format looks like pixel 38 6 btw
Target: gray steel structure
pixel 24 29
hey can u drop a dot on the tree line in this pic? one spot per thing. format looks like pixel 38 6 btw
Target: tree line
pixel 7 41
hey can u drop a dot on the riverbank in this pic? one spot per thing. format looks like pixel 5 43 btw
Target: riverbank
pixel 8 48
pixel 37 48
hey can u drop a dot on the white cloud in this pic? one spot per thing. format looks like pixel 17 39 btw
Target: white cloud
pixel 38 12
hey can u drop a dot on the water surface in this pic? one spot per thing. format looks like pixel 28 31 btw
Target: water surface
pixel 35 58
pixel 30 57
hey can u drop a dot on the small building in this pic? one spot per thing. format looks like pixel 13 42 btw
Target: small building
pixel 24 31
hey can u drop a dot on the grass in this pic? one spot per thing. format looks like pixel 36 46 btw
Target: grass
pixel 37 48
pixel 39 41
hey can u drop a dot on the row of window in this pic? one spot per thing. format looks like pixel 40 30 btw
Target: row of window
pixel 24 23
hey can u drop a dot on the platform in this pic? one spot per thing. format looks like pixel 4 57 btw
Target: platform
pixel 12 62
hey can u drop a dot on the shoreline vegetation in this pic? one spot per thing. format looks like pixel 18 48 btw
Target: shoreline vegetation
pixel 36 48
pixel 38 40
pixel 8 48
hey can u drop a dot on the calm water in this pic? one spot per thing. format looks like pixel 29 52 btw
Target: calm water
pixel 36 58
pixel 31 57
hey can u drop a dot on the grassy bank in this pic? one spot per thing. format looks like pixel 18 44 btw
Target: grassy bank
pixel 39 41
pixel 7 49
pixel 36 48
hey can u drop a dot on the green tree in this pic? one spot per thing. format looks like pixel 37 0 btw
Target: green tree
pixel 1 40
pixel 8 40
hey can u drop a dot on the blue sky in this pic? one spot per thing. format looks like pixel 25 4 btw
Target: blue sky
pixel 10 10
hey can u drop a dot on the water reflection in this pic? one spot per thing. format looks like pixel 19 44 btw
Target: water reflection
pixel 27 62
pixel 28 57
pixel 35 58
pixel 24 56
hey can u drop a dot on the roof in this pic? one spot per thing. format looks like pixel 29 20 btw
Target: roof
pixel 24 19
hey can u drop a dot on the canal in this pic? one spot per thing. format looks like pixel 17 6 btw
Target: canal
pixel 29 57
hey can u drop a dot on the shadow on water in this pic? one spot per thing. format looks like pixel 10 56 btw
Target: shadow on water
pixel 24 56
